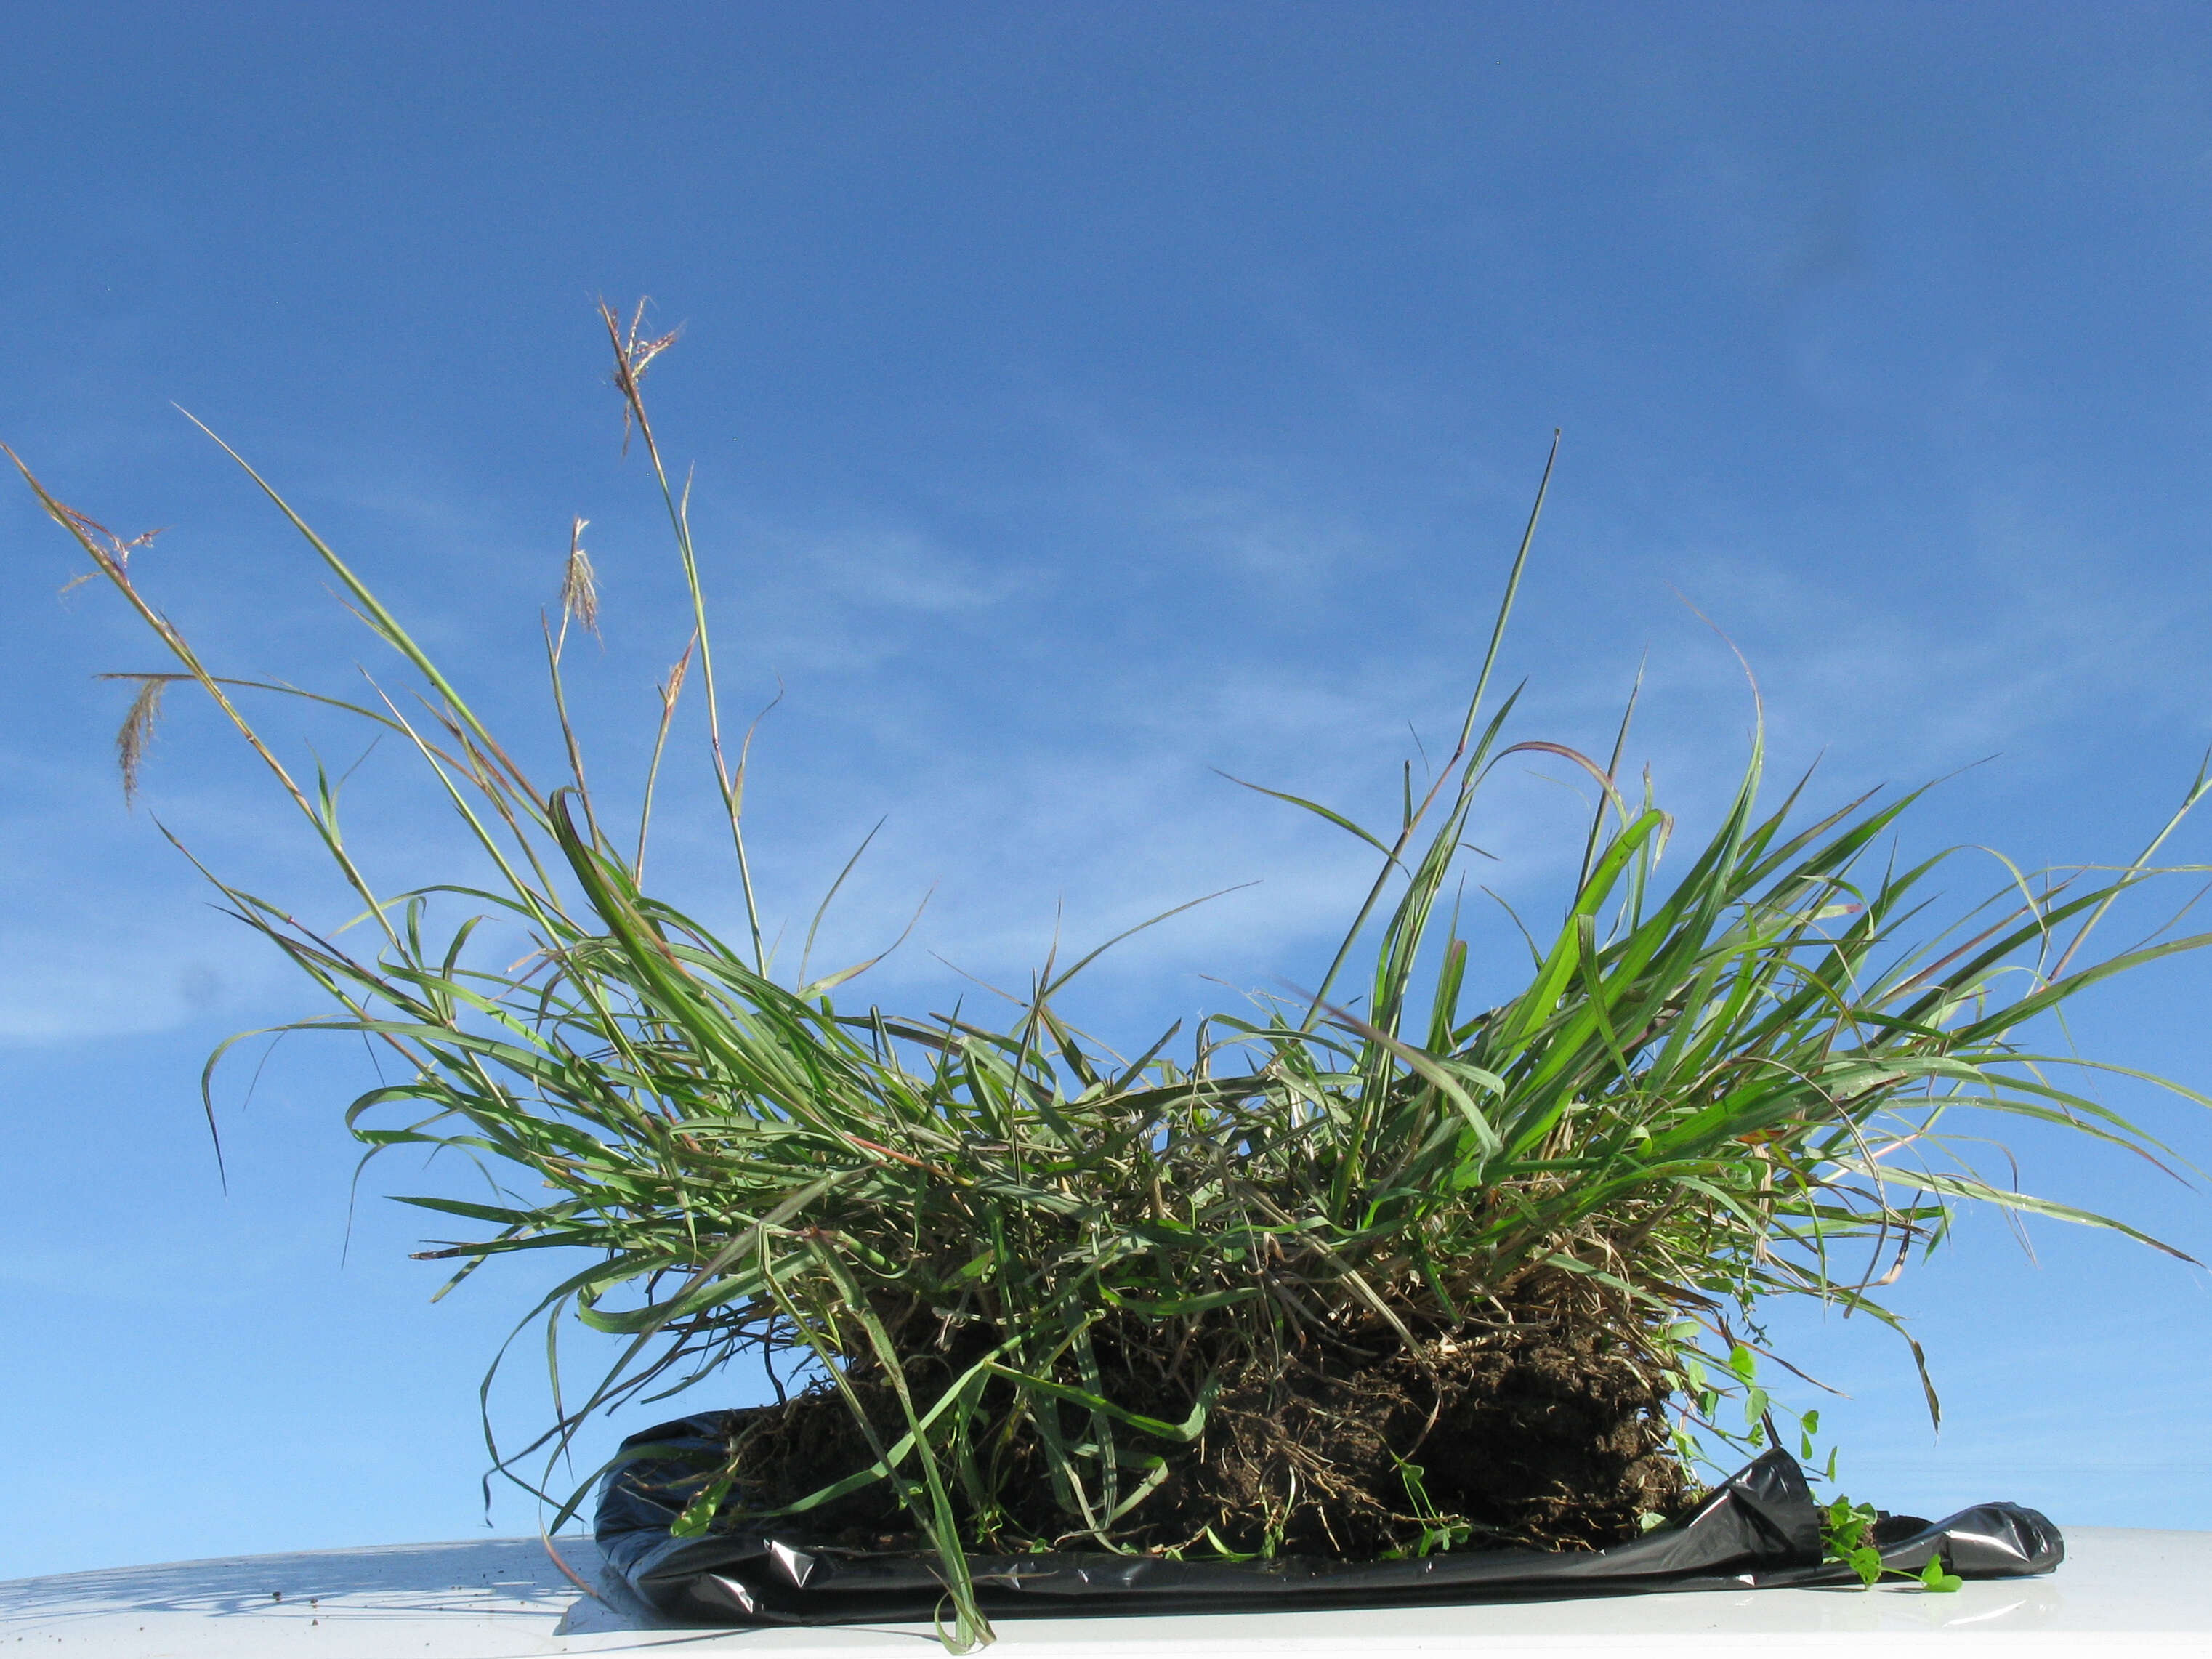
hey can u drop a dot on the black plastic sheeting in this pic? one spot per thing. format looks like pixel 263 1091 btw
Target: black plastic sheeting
pixel 1759 1530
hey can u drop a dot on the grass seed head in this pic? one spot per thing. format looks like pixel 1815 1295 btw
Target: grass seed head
pixel 136 731
pixel 580 588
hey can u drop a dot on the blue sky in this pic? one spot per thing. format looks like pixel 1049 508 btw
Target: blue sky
pixel 1082 399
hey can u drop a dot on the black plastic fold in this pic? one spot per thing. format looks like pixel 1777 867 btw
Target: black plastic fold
pixel 1759 1528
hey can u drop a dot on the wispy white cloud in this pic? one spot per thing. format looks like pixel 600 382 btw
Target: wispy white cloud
pixel 59 984
pixel 897 571
pixel 1100 805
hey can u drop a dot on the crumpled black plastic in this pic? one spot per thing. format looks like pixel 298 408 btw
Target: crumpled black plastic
pixel 1758 1530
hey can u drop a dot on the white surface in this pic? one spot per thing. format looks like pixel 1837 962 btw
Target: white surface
pixel 2134 1592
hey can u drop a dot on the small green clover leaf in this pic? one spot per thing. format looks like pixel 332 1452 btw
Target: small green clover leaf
pixel 1846 1529
pixel 1847 1536
pixel 1933 1577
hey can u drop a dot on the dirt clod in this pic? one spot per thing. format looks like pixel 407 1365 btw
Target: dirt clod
pixel 1531 1429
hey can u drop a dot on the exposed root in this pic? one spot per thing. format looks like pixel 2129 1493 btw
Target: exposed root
pixel 1542 1428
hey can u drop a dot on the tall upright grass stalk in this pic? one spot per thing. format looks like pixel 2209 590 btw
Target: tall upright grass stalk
pixel 1739 1083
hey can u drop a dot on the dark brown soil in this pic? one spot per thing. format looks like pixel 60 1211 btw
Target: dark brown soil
pixel 1535 1432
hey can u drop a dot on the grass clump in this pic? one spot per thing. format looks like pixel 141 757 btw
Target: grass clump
pixel 1373 1271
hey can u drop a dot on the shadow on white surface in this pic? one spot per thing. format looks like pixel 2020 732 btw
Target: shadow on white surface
pixel 511 1572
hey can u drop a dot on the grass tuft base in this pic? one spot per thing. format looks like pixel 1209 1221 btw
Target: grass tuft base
pixel 1542 1426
